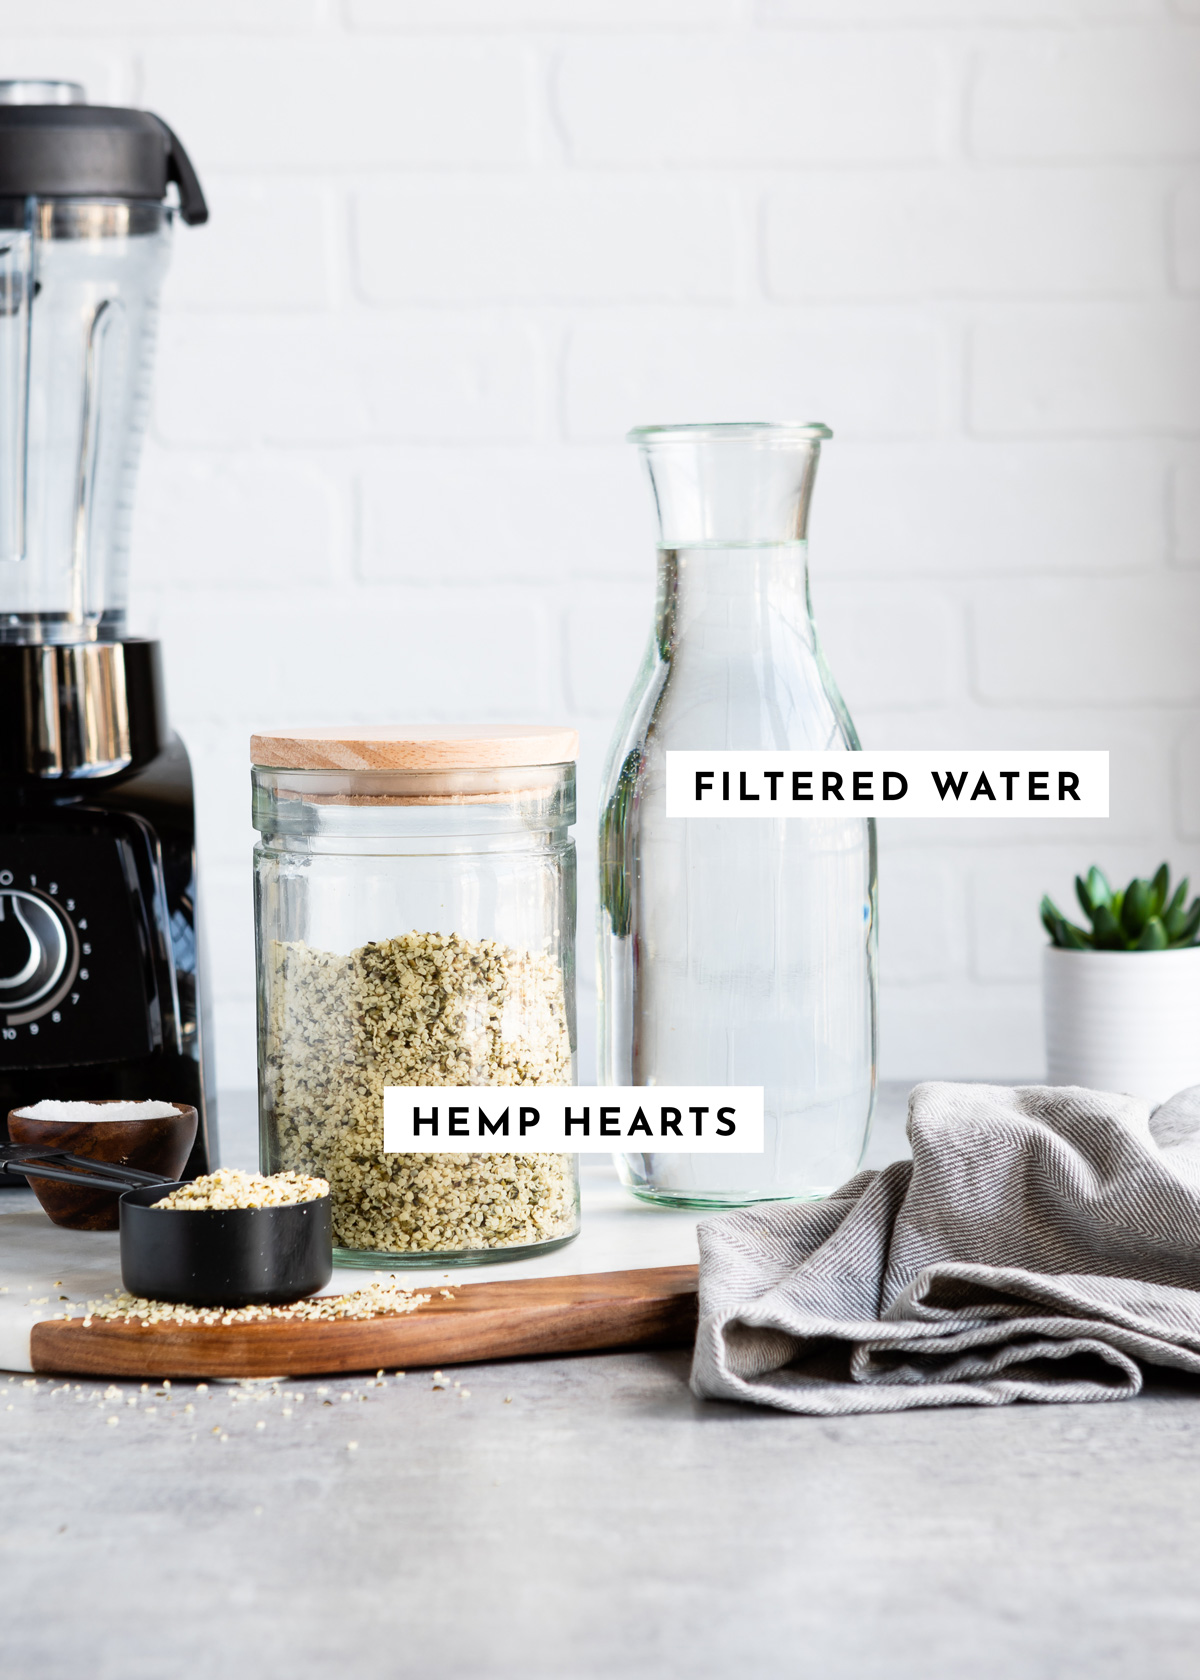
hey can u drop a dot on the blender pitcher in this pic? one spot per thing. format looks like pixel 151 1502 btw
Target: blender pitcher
pixel 100 989
pixel 84 242
pixel 736 953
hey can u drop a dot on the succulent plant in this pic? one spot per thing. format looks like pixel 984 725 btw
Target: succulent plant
pixel 1145 917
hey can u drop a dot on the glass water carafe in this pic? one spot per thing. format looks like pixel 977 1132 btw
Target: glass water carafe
pixel 733 952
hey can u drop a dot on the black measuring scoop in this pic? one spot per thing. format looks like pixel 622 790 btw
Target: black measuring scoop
pixel 199 1257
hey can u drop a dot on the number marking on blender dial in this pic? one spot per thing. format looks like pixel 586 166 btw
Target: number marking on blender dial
pixel 40 953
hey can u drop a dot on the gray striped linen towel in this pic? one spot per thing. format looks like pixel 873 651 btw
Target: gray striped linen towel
pixel 1042 1244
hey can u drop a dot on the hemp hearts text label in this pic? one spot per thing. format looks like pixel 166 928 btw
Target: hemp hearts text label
pixel 562 1119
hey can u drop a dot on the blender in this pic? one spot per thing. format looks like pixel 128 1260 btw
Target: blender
pixel 102 992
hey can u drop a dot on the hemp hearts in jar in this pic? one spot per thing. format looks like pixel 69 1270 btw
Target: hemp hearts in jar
pixel 342 854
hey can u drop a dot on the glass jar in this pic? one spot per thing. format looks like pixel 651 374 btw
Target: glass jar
pixel 415 921
pixel 736 953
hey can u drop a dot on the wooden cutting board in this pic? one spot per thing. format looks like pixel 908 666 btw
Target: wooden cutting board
pixel 654 1308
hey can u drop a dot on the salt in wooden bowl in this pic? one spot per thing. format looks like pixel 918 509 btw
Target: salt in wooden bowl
pixel 159 1144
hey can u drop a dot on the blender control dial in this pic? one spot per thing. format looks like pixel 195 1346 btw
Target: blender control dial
pixel 76 987
pixel 41 953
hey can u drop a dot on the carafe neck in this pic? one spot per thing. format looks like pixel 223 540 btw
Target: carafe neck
pixel 726 599
pixel 735 486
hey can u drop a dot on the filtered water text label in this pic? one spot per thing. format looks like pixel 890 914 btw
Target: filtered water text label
pixel 887 784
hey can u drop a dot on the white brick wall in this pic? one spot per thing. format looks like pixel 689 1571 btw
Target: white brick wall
pixel 755 99
pixel 1101 93
pixel 458 247
pixel 1086 368
pixel 943 232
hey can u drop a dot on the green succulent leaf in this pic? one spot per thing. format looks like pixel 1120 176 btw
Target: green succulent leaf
pixel 1086 902
pixel 1137 909
pixel 1107 933
pixel 1191 926
pixel 1051 918
pixel 1154 936
pixel 1062 932
pixel 1160 887
pixel 1175 915
pixel 1098 888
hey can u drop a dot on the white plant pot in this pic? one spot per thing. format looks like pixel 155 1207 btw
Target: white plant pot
pixel 1123 1020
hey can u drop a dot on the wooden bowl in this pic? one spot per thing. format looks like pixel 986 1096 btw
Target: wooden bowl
pixel 160 1145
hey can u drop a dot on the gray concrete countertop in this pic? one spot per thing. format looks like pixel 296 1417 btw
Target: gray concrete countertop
pixel 583 1518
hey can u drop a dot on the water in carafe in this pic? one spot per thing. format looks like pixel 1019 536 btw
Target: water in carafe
pixel 734 952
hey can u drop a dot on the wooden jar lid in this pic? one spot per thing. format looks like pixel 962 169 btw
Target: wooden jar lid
pixel 439 746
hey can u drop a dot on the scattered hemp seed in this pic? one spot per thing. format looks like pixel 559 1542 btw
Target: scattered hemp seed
pixel 351 1446
pixel 230 1188
pixel 421 1009
pixel 112 1422
pixel 377 1300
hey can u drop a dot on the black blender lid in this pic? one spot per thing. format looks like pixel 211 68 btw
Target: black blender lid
pixel 92 151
